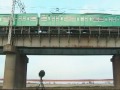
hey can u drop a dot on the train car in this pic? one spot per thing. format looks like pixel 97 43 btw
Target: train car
pixel 4 19
pixel 58 19
pixel 29 19
pixel 61 19
pixel 116 20
pixel 88 19
pixel 96 20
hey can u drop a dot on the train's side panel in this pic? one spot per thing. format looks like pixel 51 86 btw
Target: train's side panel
pixel 4 19
pixel 98 20
pixel 90 20
pixel 102 20
pixel 116 20
pixel 26 19
pixel 70 20
pixel 45 20
pixel 107 21
pixel 48 19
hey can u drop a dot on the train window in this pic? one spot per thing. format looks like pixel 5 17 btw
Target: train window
pixel 100 19
pixel 20 18
pixel 110 19
pixel 61 18
pixel 90 18
pixel 24 18
pixel 28 18
pixel 33 18
pixel 57 18
pixel 113 19
pixel 77 18
pixel 86 19
pixel 43 18
pixel 95 19
pixel 82 18
pixel 53 18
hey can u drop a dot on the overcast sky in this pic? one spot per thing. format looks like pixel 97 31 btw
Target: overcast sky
pixel 66 67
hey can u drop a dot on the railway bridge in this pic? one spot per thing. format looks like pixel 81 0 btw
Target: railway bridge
pixel 57 34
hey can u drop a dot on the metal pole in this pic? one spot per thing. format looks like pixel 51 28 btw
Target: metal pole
pixel 11 22
pixel 22 9
pixel 42 85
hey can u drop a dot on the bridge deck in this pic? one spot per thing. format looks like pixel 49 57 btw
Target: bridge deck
pixel 64 40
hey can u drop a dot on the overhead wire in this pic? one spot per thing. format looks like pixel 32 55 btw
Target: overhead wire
pixel 39 8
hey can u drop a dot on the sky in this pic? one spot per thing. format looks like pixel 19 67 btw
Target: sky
pixel 66 67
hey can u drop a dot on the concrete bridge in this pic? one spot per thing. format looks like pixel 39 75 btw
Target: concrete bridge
pixel 83 43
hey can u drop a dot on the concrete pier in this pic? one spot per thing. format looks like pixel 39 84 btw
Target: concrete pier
pixel 116 70
pixel 15 68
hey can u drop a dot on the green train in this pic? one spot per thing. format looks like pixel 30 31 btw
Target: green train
pixel 68 22
pixel 63 19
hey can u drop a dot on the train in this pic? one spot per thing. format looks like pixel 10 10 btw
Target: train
pixel 61 19
pixel 73 23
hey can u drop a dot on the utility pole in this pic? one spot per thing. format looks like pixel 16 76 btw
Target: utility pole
pixel 22 10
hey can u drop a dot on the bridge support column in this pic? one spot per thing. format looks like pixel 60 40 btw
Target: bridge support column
pixel 116 70
pixel 15 68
